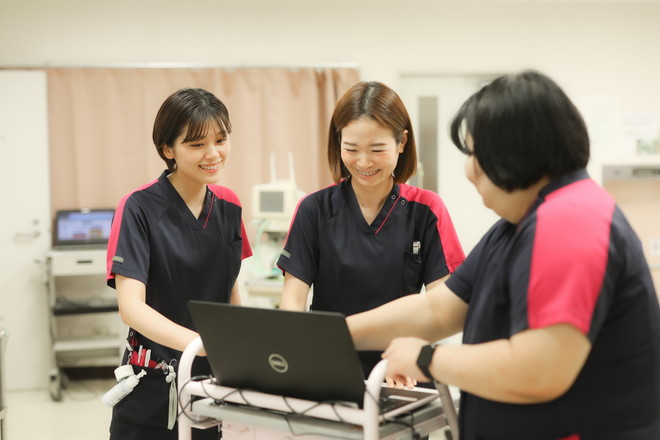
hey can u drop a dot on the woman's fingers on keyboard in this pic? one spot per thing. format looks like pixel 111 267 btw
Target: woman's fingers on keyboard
pixel 400 382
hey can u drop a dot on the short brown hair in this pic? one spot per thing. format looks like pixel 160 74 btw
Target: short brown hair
pixel 376 101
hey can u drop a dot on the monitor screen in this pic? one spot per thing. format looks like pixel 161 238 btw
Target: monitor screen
pixel 271 201
pixel 85 226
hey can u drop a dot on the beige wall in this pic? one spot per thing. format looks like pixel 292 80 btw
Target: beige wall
pixel 640 202
pixel 593 48
pixel 597 50
pixel 590 46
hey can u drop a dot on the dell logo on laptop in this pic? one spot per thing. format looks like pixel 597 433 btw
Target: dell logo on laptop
pixel 278 363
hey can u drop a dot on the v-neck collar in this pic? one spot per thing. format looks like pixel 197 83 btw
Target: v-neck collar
pixel 186 213
pixel 388 207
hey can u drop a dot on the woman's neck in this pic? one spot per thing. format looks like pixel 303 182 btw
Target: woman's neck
pixel 192 195
pixel 371 200
pixel 521 201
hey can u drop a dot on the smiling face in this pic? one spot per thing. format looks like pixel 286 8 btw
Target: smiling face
pixel 199 162
pixel 370 153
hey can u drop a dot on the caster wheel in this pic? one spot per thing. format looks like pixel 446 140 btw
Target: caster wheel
pixel 55 387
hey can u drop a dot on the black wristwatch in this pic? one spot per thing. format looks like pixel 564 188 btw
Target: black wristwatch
pixel 424 360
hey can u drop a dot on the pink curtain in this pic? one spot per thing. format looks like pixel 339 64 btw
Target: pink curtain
pixel 101 121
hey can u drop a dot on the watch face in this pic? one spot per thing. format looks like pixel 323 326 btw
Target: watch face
pixel 424 360
pixel 425 356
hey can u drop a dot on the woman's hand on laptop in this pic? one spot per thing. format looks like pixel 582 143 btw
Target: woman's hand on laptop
pixel 401 357
pixel 394 377
pixel 400 382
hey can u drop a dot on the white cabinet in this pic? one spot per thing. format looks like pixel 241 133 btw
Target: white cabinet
pixel 84 323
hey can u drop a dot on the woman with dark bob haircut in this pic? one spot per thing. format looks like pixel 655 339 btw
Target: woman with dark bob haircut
pixel 370 238
pixel 560 319
pixel 550 139
pixel 178 238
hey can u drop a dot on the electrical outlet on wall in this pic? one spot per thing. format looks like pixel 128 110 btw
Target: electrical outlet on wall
pixel 654 247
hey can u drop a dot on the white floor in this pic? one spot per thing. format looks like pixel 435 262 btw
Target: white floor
pixel 80 415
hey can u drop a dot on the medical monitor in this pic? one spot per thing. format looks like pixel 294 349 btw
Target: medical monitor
pixel 275 203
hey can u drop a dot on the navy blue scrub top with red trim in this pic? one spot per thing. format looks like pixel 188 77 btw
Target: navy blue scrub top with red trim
pixel 354 266
pixel 572 259
pixel 157 240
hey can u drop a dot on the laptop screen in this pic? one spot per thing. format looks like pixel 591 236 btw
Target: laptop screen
pixel 309 355
pixel 82 227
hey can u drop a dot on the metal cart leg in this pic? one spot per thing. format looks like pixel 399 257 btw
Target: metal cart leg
pixel 449 409
pixel 55 384
pixel 3 407
pixel 371 397
pixel 186 417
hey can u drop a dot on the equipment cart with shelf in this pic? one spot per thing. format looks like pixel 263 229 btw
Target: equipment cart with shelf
pixel 3 401
pixel 84 322
pixel 242 419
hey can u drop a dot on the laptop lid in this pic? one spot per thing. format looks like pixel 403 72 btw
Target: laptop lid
pixel 82 227
pixel 309 355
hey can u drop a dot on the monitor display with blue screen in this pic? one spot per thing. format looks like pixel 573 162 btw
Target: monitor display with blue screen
pixel 82 227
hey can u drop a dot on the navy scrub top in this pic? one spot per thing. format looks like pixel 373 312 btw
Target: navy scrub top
pixel 572 259
pixel 354 266
pixel 156 239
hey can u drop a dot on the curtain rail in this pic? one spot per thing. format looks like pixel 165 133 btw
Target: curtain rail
pixel 346 65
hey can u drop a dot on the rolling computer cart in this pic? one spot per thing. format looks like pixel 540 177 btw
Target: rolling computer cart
pixel 252 418
pixel 3 403
pixel 81 303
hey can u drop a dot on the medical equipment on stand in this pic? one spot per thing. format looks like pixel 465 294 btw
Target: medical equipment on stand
pixel 273 206
pixel 274 203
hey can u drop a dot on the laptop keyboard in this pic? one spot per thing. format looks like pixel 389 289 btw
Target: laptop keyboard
pixel 387 404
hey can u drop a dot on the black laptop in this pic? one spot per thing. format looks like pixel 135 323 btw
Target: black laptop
pixel 82 228
pixel 306 355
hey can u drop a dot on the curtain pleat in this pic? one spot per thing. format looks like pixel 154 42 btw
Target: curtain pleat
pixel 100 123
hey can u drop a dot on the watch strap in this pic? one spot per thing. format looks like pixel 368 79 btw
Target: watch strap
pixel 424 360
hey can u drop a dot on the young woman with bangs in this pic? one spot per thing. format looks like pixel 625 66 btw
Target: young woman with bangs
pixel 178 238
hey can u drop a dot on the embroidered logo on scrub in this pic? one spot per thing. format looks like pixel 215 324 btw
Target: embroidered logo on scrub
pixel 278 363
pixel 118 259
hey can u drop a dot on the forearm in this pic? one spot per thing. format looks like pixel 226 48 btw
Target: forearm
pixel 235 298
pixel 155 326
pixel 432 316
pixel 374 329
pixel 531 367
pixel 487 370
pixel 289 303
pixel 294 294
